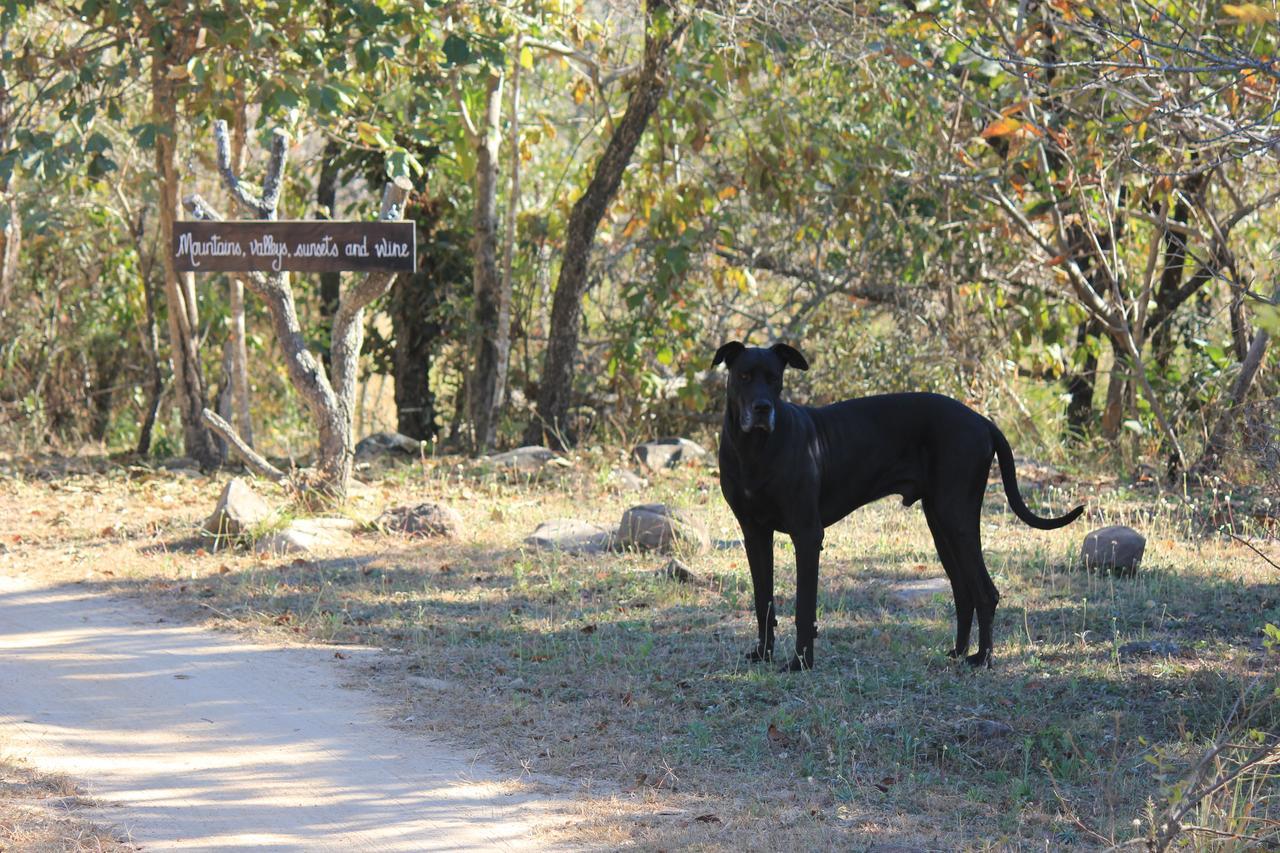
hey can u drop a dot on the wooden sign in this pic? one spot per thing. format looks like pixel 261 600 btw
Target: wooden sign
pixel 299 246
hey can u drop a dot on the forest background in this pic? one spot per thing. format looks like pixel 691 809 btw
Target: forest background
pixel 1060 212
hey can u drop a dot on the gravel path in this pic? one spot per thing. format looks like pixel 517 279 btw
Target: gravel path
pixel 196 740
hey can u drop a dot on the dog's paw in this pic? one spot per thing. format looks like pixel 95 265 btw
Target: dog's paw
pixel 758 654
pixel 956 654
pixel 979 659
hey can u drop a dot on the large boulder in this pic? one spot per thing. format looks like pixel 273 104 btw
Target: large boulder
pixel 667 453
pixel 424 519
pixel 239 510
pixel 387 443
pixel 529 460
pixel 307 536
pixel 658 527
pixel 1116 549
pixel 571 536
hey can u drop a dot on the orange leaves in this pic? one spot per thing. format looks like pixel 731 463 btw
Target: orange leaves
pixel 1004 126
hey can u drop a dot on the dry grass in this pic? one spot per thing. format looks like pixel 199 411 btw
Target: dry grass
pixel 38 814
pixel 592 669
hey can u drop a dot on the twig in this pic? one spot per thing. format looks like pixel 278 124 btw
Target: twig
pixel 1254 549
pixel 256 462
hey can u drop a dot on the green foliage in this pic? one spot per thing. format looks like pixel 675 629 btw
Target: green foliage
pixel 915 195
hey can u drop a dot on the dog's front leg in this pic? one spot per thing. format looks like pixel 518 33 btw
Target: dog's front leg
pixel 759 544
pixel 808 544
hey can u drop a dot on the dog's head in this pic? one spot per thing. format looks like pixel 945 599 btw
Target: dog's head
pixel 755 381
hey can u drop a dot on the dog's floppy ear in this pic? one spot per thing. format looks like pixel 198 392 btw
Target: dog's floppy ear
pixel 790 356
pixel 728 353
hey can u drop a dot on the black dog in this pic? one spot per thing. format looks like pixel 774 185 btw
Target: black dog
pixel 797 470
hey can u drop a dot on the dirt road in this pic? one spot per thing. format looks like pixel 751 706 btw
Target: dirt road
pixel 195 740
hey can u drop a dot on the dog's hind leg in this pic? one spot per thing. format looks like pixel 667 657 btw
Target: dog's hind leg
pixel 982 590
pixel 957 520
pixel 759 544
pixel 959 589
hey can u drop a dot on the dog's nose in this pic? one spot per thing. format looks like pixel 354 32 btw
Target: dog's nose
pixel 762 408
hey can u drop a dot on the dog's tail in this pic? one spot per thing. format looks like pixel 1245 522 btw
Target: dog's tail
pixel 1010 477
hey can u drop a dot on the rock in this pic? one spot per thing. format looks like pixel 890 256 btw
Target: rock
pixel 677 571
pixel 627 481
pixel 384 443
pixel 658 527
pixel 667 453
pixel 426 682
pixel 571 536
pixel 307 536
pixel 1150 648
pixel 1115 549
pixel 918 593
pixel 239 510
pixel 425 519
pixel 530 459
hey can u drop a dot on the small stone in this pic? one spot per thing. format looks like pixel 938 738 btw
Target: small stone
pixel 571 536
pixel 980 730
pixel 918 593
pixel 385 443
pixel 658 527
pixel 677 571
pixel 627 481
pixel 424 519
pixel 307 536
pixel 239 510
pixel 667 453
pixel 1150 648
pixel 530 459
pixel 425 682
pixel 1116 549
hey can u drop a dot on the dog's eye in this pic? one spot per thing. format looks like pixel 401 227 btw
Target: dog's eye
pixel 744 376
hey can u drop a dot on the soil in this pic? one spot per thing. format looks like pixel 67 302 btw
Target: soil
pixel 190 739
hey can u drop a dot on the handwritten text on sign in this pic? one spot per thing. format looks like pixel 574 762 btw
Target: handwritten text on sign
pixel 310 246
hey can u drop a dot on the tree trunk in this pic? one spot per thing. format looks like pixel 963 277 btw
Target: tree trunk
pixel 556 388
pixel 189 386
pixel 327 200
pixel 152 349
pixel 238 352
pixel 1081 385
pixel 413 304
pixel 1216 446
pixel 492 301
pixel 1113 412
pixel 11 239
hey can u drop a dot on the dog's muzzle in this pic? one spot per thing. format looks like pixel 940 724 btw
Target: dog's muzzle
pixel 759 416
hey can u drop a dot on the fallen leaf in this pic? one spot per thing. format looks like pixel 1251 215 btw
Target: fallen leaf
pixel 182 677
pixel 339 656
pixel 588 629
pixel 708 818
pixel 224 569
